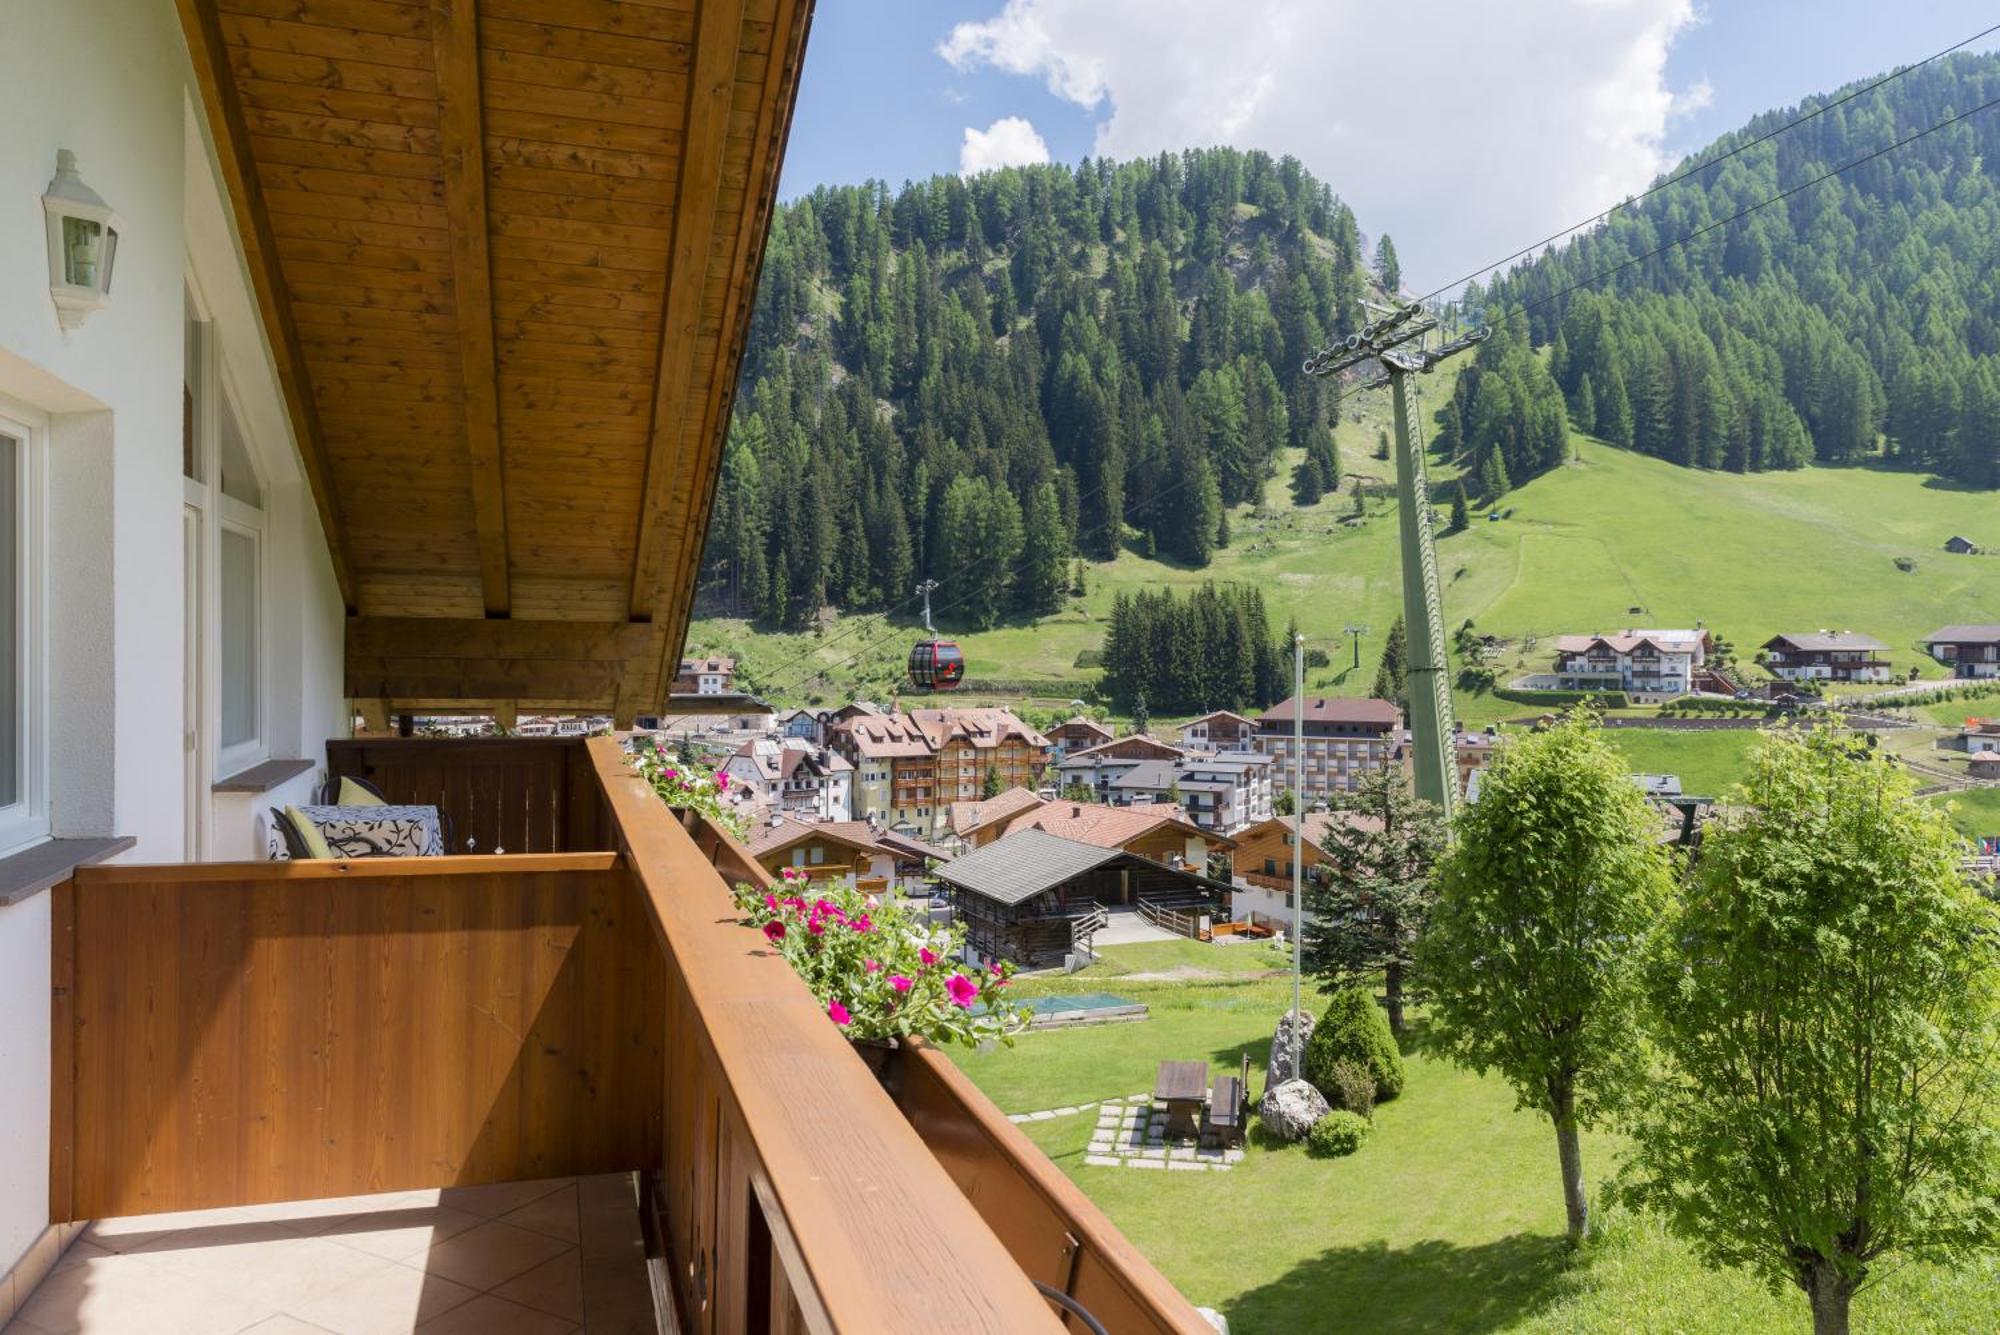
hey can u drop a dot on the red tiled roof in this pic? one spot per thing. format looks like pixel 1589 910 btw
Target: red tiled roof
pixel 1108 827
pixel 965 817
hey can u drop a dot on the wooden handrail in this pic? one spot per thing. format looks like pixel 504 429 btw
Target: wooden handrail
pixel 868 1231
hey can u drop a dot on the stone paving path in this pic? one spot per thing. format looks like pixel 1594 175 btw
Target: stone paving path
pixel 1131 1133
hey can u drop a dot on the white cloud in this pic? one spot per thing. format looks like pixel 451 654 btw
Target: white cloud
pixel 1007 142
pixel 1464 128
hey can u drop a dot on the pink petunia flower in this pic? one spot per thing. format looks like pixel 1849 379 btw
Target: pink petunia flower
pixel 862 924
pixel 871 966
pixel 962 990
pixel 771 902
pixel 899 982
pixel 816 925
pixel 774 931
pixel 838 1013
pixel 927 955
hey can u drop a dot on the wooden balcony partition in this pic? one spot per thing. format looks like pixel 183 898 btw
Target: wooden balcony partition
pixel 511 794
pixel 794 1195
pixel 229 1034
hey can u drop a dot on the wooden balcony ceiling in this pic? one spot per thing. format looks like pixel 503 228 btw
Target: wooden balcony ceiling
pixel 506 252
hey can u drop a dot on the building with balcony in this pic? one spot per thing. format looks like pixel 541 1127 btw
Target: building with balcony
pixel 705 676
pixel 1076 734
pixel 1345 738
pixel 792 778
pixel 1220 731
pixel 1219 791
pixel 1827 655
pixel 1645 662
pixel 1971 651
pixel 1096 768
pixel 1262 863
pixel 408 398
pixel 971 744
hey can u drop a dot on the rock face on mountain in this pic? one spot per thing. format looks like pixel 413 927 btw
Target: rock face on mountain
pixel 1292 1109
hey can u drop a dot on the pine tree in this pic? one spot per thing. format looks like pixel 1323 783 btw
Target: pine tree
pixel 1586 406
pixel 1141 716
pixel 1392 678
pixel 1461 518
pixel 1386 267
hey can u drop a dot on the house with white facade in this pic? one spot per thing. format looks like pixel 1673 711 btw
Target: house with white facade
pixel 1649 662
pixel 1218 790
pixel 1219 731
pixel 1827 655
pixel 1970 651
pixel 793 778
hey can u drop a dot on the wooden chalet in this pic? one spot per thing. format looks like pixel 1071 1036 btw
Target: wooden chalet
pixel 1034 897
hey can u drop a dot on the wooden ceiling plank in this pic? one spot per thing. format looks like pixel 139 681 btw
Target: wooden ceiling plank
pixel 672 605
pixel 719 26
pixel 217 86
pixel 455 35
pixel 378 16
pixel 307 100
pixel 359 76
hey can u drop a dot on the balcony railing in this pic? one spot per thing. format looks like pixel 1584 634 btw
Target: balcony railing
pixel 241 1033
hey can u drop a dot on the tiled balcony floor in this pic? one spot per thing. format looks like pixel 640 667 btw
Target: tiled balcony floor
pixel 527 1258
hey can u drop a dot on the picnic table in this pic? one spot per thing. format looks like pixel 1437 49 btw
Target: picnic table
pixel 1183 1087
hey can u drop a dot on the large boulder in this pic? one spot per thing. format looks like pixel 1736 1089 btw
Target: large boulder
pixel 1291 1109
pixel 1281 1067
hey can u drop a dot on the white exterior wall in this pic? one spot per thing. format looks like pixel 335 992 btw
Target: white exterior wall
pixel 109 80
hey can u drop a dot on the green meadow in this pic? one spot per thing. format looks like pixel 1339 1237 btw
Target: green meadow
pixel 1609 540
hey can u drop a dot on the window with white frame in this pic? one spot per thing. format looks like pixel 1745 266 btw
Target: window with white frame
pixel 24 814
pixel 224 487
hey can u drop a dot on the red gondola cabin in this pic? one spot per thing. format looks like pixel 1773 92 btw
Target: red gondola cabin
pixel 936 665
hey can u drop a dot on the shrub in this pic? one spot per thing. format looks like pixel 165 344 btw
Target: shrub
pixel 1338 1133
pixel 1354 1029
pixel 1523 695
pixel 1353 1088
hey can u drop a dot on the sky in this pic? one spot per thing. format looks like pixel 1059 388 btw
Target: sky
pixel 1464 128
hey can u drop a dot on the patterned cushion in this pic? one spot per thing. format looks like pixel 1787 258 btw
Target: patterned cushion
pixel 309 834
pixel 377 830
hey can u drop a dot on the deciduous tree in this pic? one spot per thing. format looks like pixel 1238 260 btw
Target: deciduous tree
pixel 1827 1001
pixel 1532 951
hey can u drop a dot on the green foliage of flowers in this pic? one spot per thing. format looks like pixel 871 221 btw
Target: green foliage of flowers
pixel 1353 1030
pixel 689 787
pixel 879 972
pixel 1338 1133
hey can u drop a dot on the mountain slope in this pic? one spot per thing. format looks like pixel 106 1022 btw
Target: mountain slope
pixel 978 380
pixel 1859 316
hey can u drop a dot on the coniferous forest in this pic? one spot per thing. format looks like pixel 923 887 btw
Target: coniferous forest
pixel 978 380
pixel 982 380
pixel 1859 316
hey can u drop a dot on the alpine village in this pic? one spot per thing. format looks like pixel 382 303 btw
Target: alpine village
pixel 695 666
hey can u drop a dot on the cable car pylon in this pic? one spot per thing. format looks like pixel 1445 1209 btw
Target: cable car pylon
pixel 1385 343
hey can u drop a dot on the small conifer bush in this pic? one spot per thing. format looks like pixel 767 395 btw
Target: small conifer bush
pixel 1354 1029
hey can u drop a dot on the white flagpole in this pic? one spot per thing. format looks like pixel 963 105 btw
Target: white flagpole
pixel 1298 842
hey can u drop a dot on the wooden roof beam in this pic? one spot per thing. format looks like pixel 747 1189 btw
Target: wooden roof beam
pixel 718 35
pixel 673 601
pixel 210 58
pixel 454 28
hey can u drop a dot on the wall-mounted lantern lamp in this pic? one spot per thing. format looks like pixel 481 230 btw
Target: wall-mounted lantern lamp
pixel 83 244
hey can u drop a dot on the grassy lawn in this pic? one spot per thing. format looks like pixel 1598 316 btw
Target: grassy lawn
pixel 1584 545
pixel 1707 762
pixel 1975 811
pixel 1448 1219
